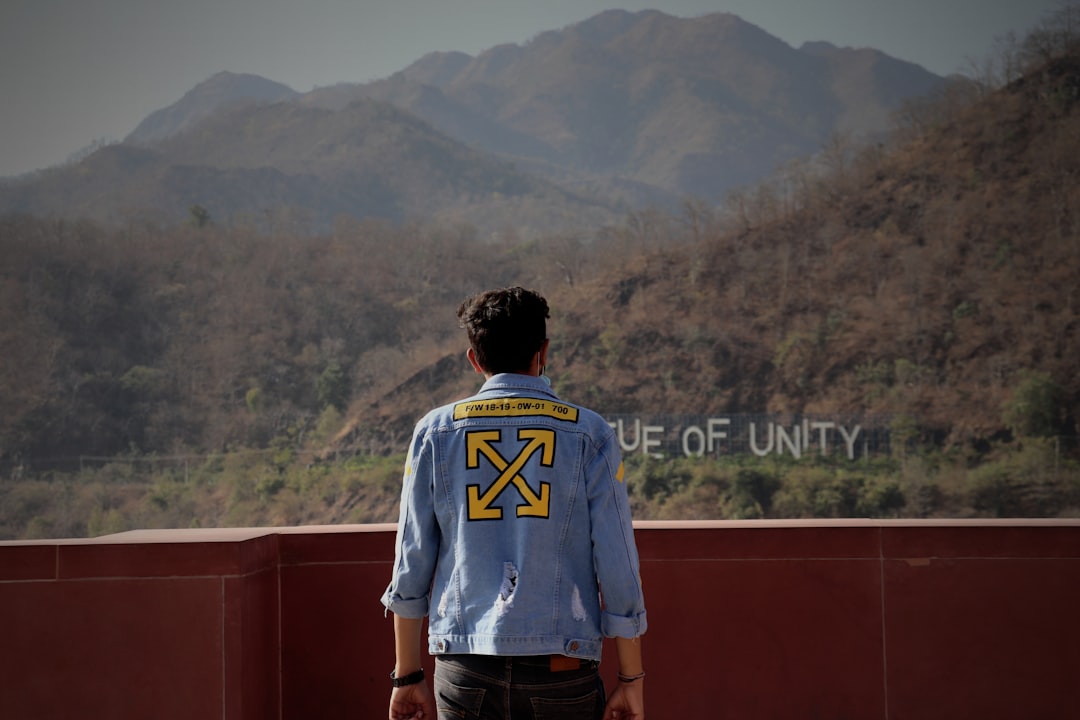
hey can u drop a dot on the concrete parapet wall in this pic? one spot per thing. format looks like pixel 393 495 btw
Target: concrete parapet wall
pixel 750 619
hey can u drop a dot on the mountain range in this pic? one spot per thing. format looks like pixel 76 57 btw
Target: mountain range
pixel 572 128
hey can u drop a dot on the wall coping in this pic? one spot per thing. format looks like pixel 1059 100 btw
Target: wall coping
pixel 214 535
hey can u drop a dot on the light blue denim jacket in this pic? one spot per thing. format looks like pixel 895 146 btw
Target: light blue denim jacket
pixel 514 518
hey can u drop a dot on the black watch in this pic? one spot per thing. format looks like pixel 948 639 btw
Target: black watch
pixel 410 679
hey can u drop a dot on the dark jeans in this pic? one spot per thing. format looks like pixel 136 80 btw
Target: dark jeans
pixel 483 687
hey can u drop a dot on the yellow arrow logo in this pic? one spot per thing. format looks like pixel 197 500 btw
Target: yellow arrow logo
pixel 481 443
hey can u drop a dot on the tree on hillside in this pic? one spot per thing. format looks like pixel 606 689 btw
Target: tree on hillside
pixel 1034 410
pixel 1057 35
pixel 198 216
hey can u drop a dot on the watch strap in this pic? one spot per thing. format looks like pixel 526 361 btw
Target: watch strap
pixel 410 679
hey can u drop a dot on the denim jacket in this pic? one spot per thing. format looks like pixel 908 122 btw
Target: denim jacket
pixel 514 518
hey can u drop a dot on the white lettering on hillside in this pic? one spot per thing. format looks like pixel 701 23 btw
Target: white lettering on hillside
pixel 734 434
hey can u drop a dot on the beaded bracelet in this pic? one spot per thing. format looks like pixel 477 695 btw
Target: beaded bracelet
pixel 631 678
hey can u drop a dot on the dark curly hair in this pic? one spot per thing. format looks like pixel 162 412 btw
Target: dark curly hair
pixel 506 327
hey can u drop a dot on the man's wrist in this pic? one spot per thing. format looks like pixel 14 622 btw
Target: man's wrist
pixel 410 679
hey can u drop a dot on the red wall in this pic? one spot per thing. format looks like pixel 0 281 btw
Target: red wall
pixel 759 619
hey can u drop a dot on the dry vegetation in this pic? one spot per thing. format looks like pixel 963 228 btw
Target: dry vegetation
pixel 238 375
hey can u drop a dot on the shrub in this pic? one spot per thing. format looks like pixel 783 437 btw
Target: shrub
pixel 1035 407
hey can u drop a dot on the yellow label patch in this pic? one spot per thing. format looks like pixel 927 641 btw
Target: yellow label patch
pixel 514 407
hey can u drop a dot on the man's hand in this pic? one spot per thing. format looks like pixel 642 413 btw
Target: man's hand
pixel 412 702
pixel 627 702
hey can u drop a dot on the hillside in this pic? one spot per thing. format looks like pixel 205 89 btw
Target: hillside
pixel 930 282
pixel 919 280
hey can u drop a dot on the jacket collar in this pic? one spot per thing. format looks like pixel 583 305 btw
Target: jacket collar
pixel 514 381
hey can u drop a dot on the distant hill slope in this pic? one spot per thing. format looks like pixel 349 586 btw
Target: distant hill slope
pixel 250 162
pixel 684 106
pixel 223 90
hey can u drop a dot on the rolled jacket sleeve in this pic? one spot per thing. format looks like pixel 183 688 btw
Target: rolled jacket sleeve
pixel 417 540
pixel 615 554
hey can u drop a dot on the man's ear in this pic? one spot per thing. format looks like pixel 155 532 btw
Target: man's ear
pixel 472 361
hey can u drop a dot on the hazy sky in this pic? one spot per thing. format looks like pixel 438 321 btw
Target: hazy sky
pixel 73 71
